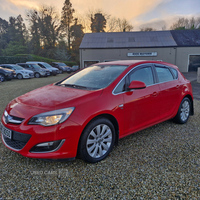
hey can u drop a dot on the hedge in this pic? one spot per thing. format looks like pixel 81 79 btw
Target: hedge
pixel 12 59
pixel 22 58
pixel 32 57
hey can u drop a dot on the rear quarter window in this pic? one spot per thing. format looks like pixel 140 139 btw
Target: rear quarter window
pixel 175 73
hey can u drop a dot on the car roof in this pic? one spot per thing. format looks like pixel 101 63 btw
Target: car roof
pixel 8 64
pixel 33 62
pixel 135 62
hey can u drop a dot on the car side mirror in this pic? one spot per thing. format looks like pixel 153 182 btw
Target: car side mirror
pixel 136 85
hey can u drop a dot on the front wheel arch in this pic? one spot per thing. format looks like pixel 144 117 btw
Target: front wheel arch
pixel 113 121
pixel 102 116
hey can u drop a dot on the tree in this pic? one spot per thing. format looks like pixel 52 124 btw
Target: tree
pixel 3 35
pixel 67 20
pixel 44 29
pixel 77 34
pixel 16 30
pixel 34 23
pixel 123 25
pixel 184 23
pixel 98 23
pixel 49 26
pixel 147 29
pixel 13 48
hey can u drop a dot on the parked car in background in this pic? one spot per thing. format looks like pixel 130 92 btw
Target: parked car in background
pixel 88 112
pixel 75 68
pixel 20 71
pixel 7 74
pixel 53 71
pixel 37 70
pixel 61 66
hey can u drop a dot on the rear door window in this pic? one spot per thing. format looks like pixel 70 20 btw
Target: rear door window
pixel 164 74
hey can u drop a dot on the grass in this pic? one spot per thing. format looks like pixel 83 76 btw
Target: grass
pixel 14 88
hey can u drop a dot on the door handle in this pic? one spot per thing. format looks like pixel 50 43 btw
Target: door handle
pixel 155 94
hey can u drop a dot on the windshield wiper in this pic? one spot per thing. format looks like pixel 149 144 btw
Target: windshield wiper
pixel 74 86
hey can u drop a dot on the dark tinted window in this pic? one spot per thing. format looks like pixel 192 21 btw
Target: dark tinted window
pixel 164 74
pixel 144 74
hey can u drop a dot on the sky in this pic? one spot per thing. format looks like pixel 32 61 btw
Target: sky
pixel 140 13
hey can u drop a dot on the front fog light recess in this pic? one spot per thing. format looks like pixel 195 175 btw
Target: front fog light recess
pixel 52 117
pixel 47 146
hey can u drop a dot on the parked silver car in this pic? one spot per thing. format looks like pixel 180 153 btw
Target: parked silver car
pixel 20 71
pixel 62 67
pixel 37 70
pixel 53 71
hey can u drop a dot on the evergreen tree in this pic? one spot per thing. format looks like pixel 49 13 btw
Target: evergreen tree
pixel 77 34
pixel 67 20
pixel 98 23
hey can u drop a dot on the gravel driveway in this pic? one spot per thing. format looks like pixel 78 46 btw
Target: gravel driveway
pixel 161 162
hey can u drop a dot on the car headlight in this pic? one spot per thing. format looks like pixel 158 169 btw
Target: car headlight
pixel 24 72
pixel 51 118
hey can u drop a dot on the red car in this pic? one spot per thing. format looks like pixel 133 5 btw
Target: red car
pixel 88 112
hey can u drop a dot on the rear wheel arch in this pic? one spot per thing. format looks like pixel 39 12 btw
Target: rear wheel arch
pixel 184 111
pixel 192 104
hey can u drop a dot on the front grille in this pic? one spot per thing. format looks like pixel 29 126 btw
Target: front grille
pixel 12 119
pixel 18 140
pixel 14 144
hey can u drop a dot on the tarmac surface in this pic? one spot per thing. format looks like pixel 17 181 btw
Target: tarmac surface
pixel 192 77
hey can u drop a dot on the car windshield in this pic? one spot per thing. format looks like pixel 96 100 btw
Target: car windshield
pixel 47 65
pixel 17 67
pixel 94 77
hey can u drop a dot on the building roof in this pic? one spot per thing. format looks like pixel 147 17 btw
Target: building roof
pixel 141 39
pixel 186 37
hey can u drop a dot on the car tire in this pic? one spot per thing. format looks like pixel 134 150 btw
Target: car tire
pixel 97 140
pixel 2 78
pixel 37 75
pixel 183 113
pixel 19 76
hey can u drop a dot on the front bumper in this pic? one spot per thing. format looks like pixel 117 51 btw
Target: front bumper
pixel 9 76
pixel 26 137
pixel 28 75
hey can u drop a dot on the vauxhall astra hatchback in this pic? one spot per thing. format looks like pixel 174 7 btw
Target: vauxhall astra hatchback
pixel 86 113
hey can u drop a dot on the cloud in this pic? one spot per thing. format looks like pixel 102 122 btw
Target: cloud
pixel 123 9
pixel 139 12
pixel 24 3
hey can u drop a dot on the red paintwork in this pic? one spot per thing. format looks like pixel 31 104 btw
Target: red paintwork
pixel 137 85
pixel 141 109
